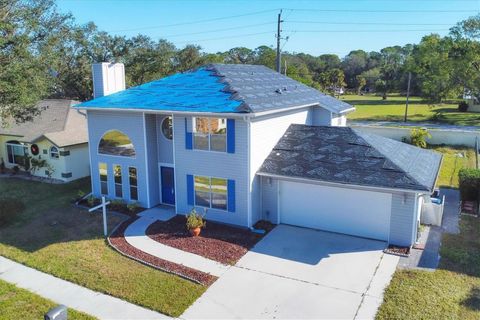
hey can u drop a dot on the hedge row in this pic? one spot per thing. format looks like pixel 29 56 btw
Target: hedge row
pixel 469 180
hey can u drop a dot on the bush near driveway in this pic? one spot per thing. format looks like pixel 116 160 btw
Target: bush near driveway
pixel 469 184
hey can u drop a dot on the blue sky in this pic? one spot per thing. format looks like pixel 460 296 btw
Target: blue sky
pixel 315 27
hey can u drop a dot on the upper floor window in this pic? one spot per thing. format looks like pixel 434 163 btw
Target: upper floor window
pixel 210 134
pixel 54 152
pixel 167 128
pixel 116 143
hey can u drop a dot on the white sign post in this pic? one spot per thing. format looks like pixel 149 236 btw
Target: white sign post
pixel 103 205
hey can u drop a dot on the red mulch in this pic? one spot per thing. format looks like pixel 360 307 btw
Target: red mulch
pixel 117 241
pixel 400 251
pixel 219 242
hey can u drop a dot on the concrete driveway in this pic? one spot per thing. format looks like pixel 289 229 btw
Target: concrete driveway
pixel 301 273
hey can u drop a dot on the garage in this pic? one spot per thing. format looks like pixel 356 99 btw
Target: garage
pixel 343 180
pixel 350 211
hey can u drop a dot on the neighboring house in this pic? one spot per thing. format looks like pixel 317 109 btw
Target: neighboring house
pixel 57 139
pixel 247 143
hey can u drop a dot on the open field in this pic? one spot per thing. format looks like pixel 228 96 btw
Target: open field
pixel 373 108
pixel 53 236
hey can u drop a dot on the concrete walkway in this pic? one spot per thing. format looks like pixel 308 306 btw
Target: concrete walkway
pixel 73 296
pixel 440 126
pixel 135 235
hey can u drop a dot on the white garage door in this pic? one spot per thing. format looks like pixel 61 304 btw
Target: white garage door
pixel 355 212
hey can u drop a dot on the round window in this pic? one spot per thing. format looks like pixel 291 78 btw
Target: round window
pixel 167 128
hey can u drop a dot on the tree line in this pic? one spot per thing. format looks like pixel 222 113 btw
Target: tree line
pixel 44 53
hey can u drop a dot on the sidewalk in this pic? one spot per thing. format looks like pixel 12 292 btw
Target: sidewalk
pixel 74 296
pixel 135 235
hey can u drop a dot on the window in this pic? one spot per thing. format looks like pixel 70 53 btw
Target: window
pixel 132 173
pixel 211 192
pixel 116 143
pixel 103 172
pixel 167 128
pixel 54 152
pixel 210 134
pixel 15 153
pixel 117 176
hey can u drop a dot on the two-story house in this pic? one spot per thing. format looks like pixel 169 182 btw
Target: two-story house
pixel 248 143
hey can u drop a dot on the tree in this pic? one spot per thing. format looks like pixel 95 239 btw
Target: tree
pixel 26 29
pixel 240 55
pixel 332 80
pixel 188 58
pixel 361 82
pixel 392 59
pixel 354 64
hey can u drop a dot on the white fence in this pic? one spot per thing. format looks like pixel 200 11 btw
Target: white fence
pixel 439 136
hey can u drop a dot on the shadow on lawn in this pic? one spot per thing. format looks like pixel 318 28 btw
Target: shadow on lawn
pixel 57 225
pixel 473 300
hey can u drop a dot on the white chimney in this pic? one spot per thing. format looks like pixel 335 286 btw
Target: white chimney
pixel 108 78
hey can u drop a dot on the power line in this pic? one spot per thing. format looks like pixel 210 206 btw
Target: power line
pixel 372 23
pixel 217 30
pixel 384 11
pixel 227 37
pixel 360 31
pixel 195 22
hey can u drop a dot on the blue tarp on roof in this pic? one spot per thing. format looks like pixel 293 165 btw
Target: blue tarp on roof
pixel 191 91
pixel 220 88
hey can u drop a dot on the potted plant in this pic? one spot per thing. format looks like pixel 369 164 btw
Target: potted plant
pixel 195 223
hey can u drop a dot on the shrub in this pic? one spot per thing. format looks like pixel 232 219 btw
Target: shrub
pixel 195 220
pixel 469 184
pixel 418 137
pixel 133 207
pixel 91 200
pixel 9 208
pixel 463 106
pixel 118 205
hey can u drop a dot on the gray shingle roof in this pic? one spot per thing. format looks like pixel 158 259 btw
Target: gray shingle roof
pixel 349 156
pixel 263 89
pixel 57 121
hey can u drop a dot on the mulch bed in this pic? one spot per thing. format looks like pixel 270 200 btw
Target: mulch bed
pixel 399 251
pixel 118 242
pixel 219 242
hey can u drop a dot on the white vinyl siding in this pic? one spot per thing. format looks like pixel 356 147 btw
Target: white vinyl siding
pixel 349 211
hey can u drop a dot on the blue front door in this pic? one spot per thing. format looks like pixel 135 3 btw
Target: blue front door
pixel 168 185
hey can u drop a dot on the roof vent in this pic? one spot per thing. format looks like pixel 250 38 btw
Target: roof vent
pixel 278 91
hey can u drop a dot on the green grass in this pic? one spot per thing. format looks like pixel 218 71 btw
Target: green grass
pixel 451 292
pixel 53 236
pixel 373 108
pixel 454 158
pixel 16 303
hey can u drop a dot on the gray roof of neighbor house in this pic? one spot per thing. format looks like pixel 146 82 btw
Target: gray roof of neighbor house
pixel 220 88
pixel 57 121
pixel 349 156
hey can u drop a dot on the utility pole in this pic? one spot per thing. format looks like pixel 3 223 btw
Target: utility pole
pixel 408 96
pixel 279 31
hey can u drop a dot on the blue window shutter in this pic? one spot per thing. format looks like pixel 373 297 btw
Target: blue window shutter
pixel 231 195
pixel 231 135
pixel 188 137
pixel 190 190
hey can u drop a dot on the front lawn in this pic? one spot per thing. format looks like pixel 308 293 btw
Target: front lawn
pixel 451 292
pixel 17 303
pixel 53 236
pixel 454 158
pixel 373 108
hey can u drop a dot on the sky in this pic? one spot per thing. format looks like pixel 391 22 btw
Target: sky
pixel 315 27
